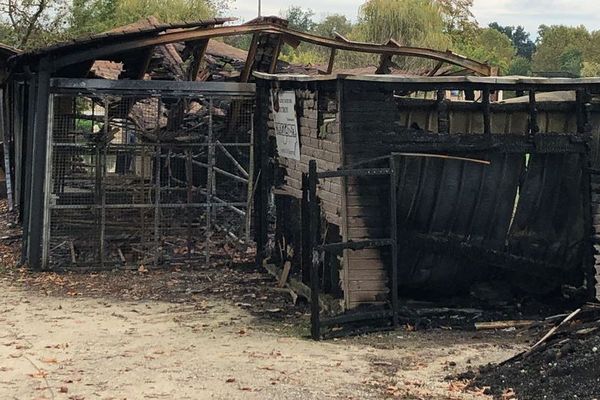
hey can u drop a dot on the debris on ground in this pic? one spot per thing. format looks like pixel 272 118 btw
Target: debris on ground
pixel 563 364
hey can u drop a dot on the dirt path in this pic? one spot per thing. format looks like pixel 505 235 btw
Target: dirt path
pixel 73 347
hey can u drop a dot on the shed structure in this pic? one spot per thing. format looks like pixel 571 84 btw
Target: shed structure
pixel 497 193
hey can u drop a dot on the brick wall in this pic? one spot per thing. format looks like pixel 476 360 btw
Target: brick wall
pixel 318 124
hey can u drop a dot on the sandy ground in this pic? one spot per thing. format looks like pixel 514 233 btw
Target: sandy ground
pixel 77 347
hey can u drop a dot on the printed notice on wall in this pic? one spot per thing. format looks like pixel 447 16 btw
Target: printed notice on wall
pixel 286 123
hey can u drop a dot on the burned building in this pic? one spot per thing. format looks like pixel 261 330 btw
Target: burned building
pixel 392 193
pixel 158 144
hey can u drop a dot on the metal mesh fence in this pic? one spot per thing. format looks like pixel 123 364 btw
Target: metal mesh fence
pixel 147 180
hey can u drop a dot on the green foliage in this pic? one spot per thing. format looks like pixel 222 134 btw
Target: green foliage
pixel 300 19
pixel 590 68
pixel 28 23
pixel 520 66
pixel 571 61
pixel 333 23
pixel 490 46
pixel 457 15
pixel 417 23
pixel 411 22
pixel 309 56
pixel 519 37
pixel 241 42
pixel 561 48
pixel 92 16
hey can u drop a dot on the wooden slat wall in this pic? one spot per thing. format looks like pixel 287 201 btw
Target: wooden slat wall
pixel 367 198
pixel 431 190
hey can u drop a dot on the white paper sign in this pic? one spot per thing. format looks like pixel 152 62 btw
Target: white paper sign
pixel 286 124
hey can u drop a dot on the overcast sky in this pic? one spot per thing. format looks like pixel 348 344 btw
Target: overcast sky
pixel 529 13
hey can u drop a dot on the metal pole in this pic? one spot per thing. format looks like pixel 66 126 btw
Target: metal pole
pixel 259 8
pixel 210 180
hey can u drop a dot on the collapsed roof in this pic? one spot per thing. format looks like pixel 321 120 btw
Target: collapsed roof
pixel 149 49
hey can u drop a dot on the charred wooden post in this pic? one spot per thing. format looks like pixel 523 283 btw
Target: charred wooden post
pixel 331 61
pixel 315 308
pixel 38 160
pixel 534 128
pixel 394 236
pixel 443 116
pixel 487 119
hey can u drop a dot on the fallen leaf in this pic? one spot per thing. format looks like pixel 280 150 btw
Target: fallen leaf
pixel 50 361
pixel 40 373
pixel 230 380
pixel 63 389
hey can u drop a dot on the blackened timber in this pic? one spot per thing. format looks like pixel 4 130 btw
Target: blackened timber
pixel 251 58
pixel 354 172
pixel 331 62
pixel 418 141
pixel 276 52
pixel 534 128
pixel 27 154
pixel 198 50
pixel 394 236
pixel 355 245
pixel 313 205
pixel 482 254
pixel 40 127
pixel 443 115
pixel 487 119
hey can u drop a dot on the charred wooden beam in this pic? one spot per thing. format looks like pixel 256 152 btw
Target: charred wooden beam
pixel 198 50
pixel 250 60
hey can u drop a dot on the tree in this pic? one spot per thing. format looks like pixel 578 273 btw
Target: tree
pixel 571 61
pixel 590 69
pixel 299 18
pixel 32 23
pixel 560 48
pixel 411 22
pixel 89 17
pixel 457 15
pixel 519 37
pixel 520 66
pixel 333 23
pixel 490 46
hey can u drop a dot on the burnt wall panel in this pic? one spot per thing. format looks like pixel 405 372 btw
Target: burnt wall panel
pixel 459 221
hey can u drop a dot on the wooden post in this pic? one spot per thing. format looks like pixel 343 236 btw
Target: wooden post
pixel 275 57
pixel 443 117
pixel 331 61
pixel 245 75
pixel 533 114
pixel 315 321
pixel 198 51
pixel 38 160
pixel 487 120
pixel 394 236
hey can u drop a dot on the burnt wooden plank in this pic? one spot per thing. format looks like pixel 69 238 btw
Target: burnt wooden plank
pixel 368 285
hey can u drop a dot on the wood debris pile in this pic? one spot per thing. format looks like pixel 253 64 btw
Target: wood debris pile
pixel 563 364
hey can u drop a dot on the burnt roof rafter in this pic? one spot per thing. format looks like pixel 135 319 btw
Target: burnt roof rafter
pixel 105 45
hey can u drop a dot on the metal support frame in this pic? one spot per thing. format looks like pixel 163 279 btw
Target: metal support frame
pixel 155 196
pixel 6 147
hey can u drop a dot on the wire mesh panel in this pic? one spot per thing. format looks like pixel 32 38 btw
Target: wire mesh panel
pixel 151 179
